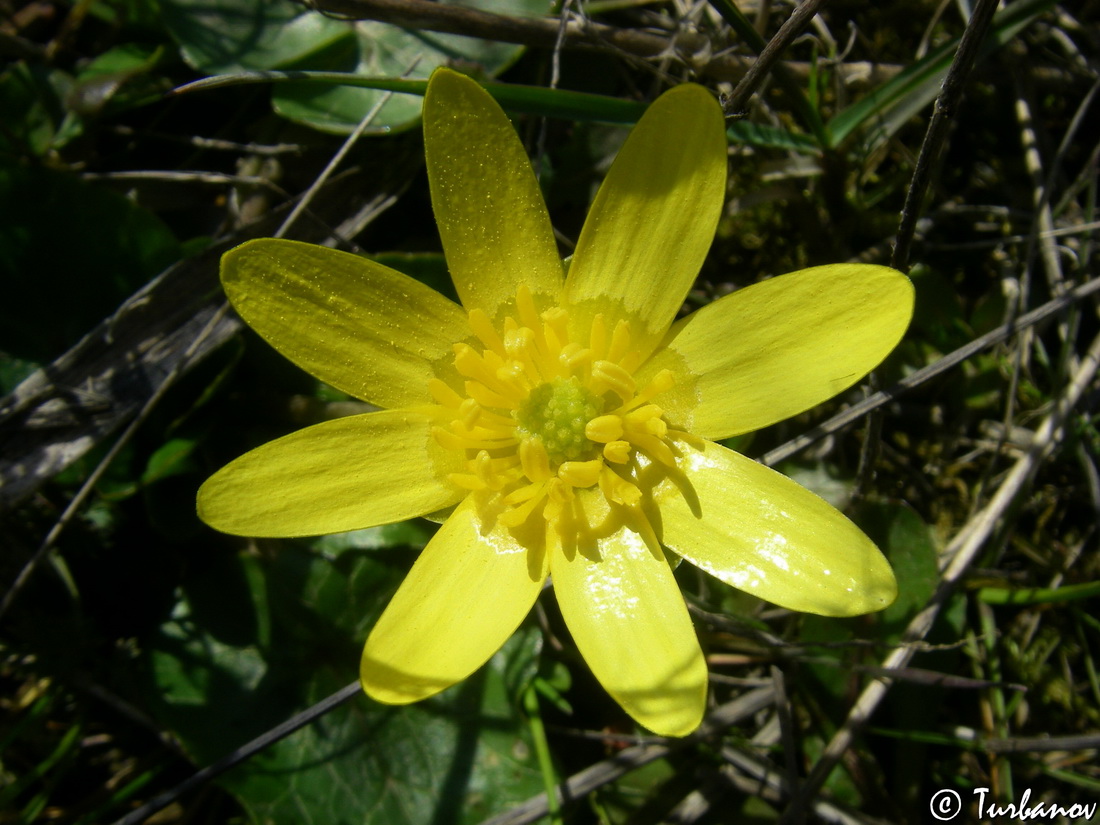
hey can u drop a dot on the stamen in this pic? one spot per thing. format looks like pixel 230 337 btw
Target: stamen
pixel 516 517
pixel 604 429
pixel 467 481
pixel 469 412
pixel 655 447
pixel 663 380
pixel 451 441
pixel 574 356
pixel 580 473
pixel 620 341
pixel 617 489
pixel 607 375
pixel 557 322
pixel 617 452
pixel 489 398
pixel 482 327
pixel 443 394
pixel 534 460
pixel 529 315
pixel 534 424
pixel 597 335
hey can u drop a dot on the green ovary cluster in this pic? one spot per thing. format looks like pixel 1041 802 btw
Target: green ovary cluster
pixel 556 414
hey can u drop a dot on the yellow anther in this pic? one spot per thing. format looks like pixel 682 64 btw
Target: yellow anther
pixel 656 426
pixel 513 374
pixel 469 411
pixel 580 473
pixel 604 428
pixel 663 380
pixel 482 467
pixel 525 308
pixel 522 494
pixel 482 327
pixel 607 375
pixel 655 447
pixel 617 489
pixel 452 441
pixel 443 394
pixel 467 481
pixel 597 335
pixel 472 365
pixel 573 355
pixel 617 452
pixel 519 342
pixel 489 398
pixel 516 517
pixel 620 341
pixel 559 492
pixel 534 460
pixel 556 320
pixel 643 414
pixel 558 496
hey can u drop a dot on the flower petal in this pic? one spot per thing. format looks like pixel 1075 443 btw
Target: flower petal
pixel 491 215
pixel 654 218
pixel 346 474
pixel 782 346
pixel 465 595
pixel 362 327
pixel 758 531
pixel 628 619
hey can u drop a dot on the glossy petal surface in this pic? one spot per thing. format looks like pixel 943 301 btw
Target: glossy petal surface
pixel 466 594
pixel 760 532
pixel 777 348
pixel 341 475
pixel 361 327
pixel 628 619
pixel 489 208
pixel 653 220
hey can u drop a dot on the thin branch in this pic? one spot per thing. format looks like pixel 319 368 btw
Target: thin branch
pixel 792 26
pixel 946 105
pixel 296 722
pixel 878 399
pixel 601 773
pixel 958 557
pixel 543 32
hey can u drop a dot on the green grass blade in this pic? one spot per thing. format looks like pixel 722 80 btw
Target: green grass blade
pixel 810 116
pixel 895 102
pixel 517 99
pixel 1039 595
pixel 529 100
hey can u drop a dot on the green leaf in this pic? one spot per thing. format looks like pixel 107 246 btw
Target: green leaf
pixel 911 549
pixel 170 459
pixel 232 35
pixel 119 79
pixel 218 682
pixel 413 534
pixel 225 36
pixel 32 108
pixel 889 107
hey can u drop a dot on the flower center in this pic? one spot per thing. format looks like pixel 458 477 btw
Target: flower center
pixel 541 415
pixel 556 414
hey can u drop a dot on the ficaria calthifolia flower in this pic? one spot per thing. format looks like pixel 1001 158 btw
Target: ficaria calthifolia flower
pixel 561 418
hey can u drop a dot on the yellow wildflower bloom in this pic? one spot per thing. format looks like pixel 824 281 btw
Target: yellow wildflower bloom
pixel 549 414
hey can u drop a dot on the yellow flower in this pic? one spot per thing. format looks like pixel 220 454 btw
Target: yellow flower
pixel 548 417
